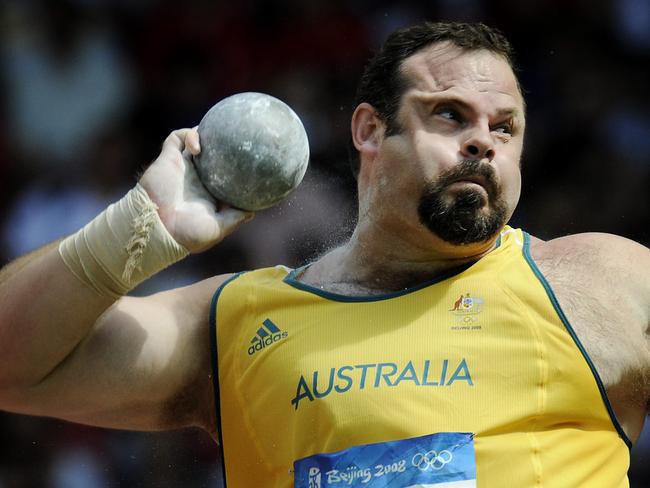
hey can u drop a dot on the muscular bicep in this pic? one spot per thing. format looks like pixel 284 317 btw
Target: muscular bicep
pixel 145 365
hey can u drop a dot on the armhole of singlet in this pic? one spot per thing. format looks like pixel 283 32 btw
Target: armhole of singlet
pixel 576 340
pixel 215 368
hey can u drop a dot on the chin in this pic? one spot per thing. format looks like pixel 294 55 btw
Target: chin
pixel 465 221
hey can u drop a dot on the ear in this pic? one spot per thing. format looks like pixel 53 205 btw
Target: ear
pixel 367 129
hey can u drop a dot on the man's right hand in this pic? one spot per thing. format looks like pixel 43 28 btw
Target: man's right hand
pixel 190 214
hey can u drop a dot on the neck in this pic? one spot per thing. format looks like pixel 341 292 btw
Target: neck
pixel 376 261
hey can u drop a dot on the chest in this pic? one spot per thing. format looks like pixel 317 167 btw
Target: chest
pixel 473 343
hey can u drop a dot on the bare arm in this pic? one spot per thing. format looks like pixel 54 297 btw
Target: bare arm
pixel 631 263
pixel 44 312
pixel 69 351
pixel 143 365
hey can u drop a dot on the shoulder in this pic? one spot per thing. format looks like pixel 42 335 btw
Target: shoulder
pixel 239 285
pixel 597 249
pixel 606 261
pixel 196 294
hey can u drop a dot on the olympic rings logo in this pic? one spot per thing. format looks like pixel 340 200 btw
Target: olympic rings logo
pixel 432 460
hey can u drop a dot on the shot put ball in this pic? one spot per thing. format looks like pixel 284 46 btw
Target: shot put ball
pixel 254 151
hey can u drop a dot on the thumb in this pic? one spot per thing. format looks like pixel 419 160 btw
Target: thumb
pixel 175 140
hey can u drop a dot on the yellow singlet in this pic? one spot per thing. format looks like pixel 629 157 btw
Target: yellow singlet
pixel 485 350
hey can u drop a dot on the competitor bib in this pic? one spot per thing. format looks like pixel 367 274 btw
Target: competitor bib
pixel 442 460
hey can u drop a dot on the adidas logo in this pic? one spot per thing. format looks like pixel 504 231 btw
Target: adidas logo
pixel 266 335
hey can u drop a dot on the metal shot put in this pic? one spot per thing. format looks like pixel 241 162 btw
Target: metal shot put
pixel 254 151
pixel 438 346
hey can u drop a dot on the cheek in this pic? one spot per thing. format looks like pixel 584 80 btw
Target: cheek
pixel 400 162
pixel 511 185
pixel 434 155
pixel 515 190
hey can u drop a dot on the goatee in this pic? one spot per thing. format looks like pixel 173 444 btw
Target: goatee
pixel 461 218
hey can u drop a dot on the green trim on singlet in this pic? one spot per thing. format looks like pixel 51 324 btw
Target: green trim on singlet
pixel 290 279
pixel 576 340
pixel 215 367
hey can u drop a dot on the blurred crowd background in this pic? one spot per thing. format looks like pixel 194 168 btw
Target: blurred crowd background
pixel 90 88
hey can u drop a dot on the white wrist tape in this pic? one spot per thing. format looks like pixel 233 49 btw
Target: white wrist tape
pixel 123 246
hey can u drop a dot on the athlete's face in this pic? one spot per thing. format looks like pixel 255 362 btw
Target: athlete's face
pixel 454 162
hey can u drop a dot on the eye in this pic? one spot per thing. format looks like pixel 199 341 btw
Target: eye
pixel 448 114
pixel 505 129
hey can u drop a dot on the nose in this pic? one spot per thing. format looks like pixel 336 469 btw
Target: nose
pixel 478 145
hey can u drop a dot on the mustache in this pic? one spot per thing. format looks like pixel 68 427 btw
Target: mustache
pixel 470 169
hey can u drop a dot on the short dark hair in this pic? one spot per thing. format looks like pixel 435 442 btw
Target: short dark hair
pixel 381 83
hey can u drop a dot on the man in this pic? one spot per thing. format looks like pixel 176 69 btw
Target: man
pixel 437 345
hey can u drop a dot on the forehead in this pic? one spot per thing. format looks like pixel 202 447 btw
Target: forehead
pixel 444 68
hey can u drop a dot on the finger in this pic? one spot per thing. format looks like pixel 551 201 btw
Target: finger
pixel 175 141
pixel 192 142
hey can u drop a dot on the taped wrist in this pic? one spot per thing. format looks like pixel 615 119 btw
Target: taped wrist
pixel 123 246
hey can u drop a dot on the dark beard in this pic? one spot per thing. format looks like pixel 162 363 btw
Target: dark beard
pixel 462 221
